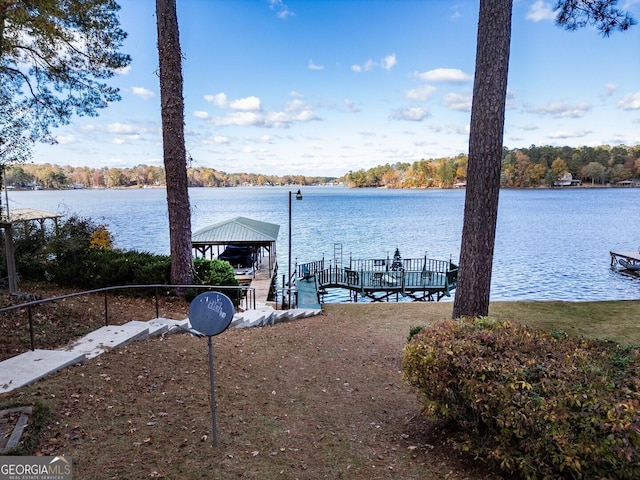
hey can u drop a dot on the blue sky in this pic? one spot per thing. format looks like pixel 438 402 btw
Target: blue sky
pixel 322 87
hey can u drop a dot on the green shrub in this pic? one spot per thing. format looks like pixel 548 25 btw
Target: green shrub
pixel 213 272
pixel 36 246
pixel 98 268
pixel 78 253
pixel 71 238
pixel 540 405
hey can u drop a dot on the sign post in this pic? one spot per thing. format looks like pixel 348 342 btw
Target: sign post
pixel 210 314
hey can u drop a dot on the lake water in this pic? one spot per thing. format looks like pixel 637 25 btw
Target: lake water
pixel 551 244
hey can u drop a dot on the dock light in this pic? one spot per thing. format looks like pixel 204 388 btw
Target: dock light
pixel 298 197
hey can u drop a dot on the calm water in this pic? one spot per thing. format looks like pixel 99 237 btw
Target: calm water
pixel 550 244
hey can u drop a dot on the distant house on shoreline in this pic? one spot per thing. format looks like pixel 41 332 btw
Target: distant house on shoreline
pixel 566 180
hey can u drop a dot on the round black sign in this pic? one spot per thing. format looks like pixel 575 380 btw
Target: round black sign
pixel 210 313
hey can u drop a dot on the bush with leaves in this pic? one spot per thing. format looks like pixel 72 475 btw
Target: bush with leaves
pixel 213 272
pixel 35 245
pixel 541 405
pixel 101 238
pixel 71 238
pixel 98 268
pixel 79 253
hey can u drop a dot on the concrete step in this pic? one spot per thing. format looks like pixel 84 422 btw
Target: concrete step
pixel 158 326
pixel 31 366
pixel 105 338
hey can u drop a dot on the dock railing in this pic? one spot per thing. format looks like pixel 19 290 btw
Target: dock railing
pixel 368 276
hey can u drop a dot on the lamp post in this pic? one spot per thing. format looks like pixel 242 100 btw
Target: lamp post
pixel 298 197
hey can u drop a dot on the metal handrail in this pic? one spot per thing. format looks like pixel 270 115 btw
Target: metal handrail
pixel 249 299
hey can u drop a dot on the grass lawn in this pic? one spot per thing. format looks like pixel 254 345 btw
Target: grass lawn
pixel 309 399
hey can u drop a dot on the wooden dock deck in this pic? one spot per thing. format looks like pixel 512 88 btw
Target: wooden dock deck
pixel 419 279
pixel 626 260
pixel 262 279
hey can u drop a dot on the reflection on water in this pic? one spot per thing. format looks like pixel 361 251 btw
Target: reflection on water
pixel 550 244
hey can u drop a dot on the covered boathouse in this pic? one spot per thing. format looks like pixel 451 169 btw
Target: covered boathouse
pixel 248 245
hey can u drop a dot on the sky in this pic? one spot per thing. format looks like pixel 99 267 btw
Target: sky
pixel 324 87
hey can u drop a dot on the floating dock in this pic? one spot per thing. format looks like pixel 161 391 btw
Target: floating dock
pixel 420 279
pixel 626 260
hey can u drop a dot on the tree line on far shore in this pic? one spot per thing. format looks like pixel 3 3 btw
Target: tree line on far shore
pixel 521 168
pixel 51 176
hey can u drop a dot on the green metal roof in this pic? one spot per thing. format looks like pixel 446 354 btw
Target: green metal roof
pixel 237 230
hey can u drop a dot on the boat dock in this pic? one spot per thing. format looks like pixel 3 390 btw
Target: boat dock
pixel 627 260
pixel 261 278
pixel 379 280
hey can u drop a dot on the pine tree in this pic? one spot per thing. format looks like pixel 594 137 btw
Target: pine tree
pixel 175 155
pixel 486 135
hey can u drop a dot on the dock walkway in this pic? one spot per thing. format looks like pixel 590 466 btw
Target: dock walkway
pixel 420 279
pixel 262 280
pixel 307 290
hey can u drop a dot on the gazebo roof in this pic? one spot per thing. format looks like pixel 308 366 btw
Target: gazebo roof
pixel 238 230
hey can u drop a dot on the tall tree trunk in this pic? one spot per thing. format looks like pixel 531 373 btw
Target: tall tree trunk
pixel 485 156
pixel 175 157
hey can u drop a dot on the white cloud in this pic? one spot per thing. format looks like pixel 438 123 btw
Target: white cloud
pixel 294 111
pixel 313 66
pixel 216 140
pixel 387 63
pixel 610 89
pixel 126 139
pixel 124 70
pixel 630 102
pixel 561 110
pixel 66 139
pixel 421 93
pixel 305 116
pixel 296 106
pixel 248 112
pixel 577 134
pixel 540 10
pixel 121 128
pixel 219 100
pixel 241 119
pixel 247 104
pixel 413 114
pixel 282 10
pixel 450 75
pixel 142 92
pixel 351 106
pixel 201 114
pixel 459 102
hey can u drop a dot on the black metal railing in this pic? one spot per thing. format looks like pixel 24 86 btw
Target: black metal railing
pixel 243 295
